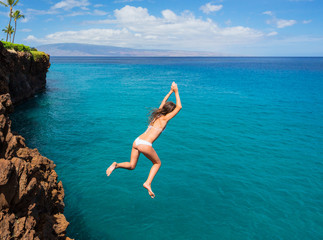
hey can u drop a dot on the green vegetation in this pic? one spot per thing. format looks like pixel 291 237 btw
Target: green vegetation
pixel 37 55
pixel 16 47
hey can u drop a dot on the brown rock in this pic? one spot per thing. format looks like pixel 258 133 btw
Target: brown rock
pixel 5 103
pixel 22 185
pixel 19 165
pixel 5 225
pixel 52 177
pixel 61 224
pixel 29 235
pixel 2 109
pixel 5 171
pixel 61 193
pixel 3 201
pixel 8 190
pixel 14 143
pixel 32 184
pixel 42 162
pixel 19 226
pixel 27 153
pixel 30 223
pixel 3 121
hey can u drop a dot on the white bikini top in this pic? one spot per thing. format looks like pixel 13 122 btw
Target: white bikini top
pixel 159 129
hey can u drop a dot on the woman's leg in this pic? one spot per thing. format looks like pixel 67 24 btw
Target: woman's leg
pixel 133 160
pixel 127 165
pixel 151 154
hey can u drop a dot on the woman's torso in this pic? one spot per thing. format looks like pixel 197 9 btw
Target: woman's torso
pixel 154 130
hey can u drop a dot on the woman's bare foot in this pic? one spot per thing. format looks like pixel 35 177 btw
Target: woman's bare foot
pixel 111 168
pixel 148 187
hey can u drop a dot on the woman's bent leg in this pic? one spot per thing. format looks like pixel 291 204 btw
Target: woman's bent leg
pixel 127 165
pixel 133 160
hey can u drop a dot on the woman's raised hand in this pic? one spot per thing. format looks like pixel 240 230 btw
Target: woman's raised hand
pixel 174 87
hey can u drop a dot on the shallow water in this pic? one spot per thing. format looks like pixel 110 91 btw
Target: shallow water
pixel 242 160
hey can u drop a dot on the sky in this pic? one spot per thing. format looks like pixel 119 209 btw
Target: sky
pixel 228 27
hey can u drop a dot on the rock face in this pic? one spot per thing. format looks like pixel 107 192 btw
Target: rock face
pixel 31 198
pixel 20 75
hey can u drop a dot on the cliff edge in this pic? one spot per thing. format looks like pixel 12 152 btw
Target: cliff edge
pixel 31 198
pixel 21 75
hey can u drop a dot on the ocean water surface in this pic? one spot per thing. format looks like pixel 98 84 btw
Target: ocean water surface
pixel 242 160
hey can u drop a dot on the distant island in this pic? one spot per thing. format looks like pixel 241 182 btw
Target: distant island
pixel 77 49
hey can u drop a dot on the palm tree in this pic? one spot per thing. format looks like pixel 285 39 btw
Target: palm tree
pixel 6 31
pixel 11 4
pixel 9 31
pixel 16 15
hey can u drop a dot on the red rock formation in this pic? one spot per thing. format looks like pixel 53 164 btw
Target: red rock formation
pixel 31 198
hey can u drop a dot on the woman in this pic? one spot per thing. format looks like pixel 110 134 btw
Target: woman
pixel 143 144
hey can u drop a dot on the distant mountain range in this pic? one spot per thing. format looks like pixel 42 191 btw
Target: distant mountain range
pixel 77 49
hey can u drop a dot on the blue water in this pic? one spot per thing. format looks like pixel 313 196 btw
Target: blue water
pixel 242 160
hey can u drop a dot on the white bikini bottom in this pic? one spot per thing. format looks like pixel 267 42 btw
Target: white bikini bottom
pixel 139 141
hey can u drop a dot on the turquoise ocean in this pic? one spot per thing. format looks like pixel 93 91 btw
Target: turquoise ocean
pixel 242 160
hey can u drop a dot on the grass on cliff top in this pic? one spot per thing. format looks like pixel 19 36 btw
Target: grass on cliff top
pixel 37 55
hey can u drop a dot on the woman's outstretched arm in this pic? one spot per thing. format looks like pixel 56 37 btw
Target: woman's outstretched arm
pixel 165 99
pixel 178 103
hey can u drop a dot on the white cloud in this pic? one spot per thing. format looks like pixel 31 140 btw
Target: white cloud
pixel 228 22
pixel 32 12
pixel 70 4
pixel 32 38
pixel 25 19
pixel 99 13
pixel 169 15
pixel 272 34
pixel 133 15
pixel 307 21
pixel 281 23
pixel 4 14
pixel 82 13
pixel 98 5
pixel 135 27
pixel 126 1
pixel 208 8
pixel 268 13
pixel 78 13
pixel 25 30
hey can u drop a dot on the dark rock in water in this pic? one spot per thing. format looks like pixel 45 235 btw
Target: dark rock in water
pixel 21 75
pixel 31 198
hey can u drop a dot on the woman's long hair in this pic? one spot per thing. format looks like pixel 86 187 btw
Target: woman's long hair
pixel 156 113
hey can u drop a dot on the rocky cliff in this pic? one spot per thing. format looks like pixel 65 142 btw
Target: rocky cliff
pixel 21 75
pixel 31 198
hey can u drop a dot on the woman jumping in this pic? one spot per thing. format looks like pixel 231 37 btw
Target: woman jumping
pixel 143 144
